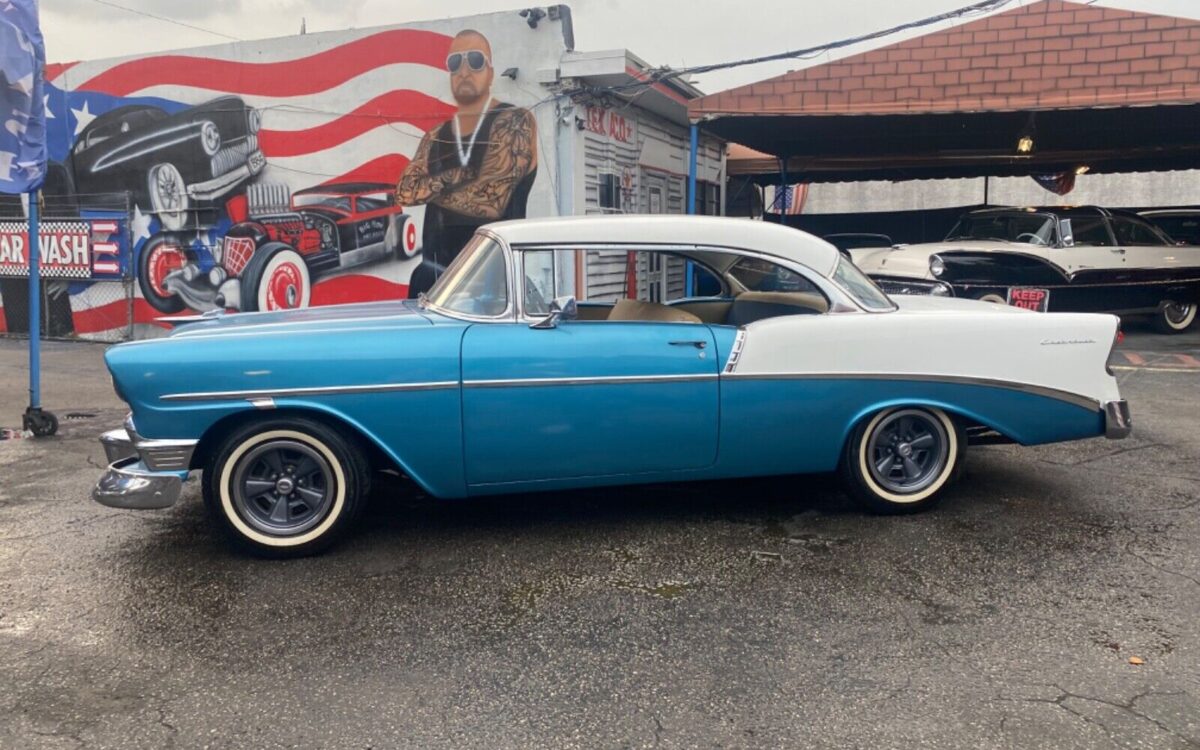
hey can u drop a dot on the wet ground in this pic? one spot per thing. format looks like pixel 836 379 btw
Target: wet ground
pixel 767 613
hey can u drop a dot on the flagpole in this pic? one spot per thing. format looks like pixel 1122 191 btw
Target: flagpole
pixel 35 309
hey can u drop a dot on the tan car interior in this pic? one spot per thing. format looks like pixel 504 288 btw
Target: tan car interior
pixel 745 308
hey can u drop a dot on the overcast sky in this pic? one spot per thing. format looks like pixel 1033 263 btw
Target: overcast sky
pixel 662 32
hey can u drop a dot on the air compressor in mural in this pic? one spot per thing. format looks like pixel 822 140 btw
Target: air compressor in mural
pixel 347 168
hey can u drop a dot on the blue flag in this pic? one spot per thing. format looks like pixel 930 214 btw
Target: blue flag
pixel 22 102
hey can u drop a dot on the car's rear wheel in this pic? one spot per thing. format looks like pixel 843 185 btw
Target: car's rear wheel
pixel 900 460
pixel 285 487
pixel 1175 317
pixel 160 256
pixel 993 297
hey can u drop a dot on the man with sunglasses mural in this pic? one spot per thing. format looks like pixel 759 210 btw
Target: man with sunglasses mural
pixel 473 169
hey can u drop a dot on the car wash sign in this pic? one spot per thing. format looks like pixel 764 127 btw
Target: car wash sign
pixel 66 249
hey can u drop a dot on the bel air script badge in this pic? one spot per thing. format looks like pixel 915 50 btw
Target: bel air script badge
pixel 1066 342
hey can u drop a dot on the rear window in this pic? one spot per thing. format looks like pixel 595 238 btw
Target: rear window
pixel 862 289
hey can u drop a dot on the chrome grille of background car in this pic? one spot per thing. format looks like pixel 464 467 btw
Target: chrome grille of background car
pixel 233 156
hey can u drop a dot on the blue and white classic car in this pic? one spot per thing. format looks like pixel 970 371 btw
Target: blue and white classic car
pixel 713 348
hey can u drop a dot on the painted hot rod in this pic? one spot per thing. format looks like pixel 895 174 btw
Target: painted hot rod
pixel 499 381
pixel 269 261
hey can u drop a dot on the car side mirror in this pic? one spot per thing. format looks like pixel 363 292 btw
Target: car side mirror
pixel 1064 229
pixel 561 308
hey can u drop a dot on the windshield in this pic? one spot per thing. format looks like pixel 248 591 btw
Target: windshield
pixel 861 288
pixel 1026 228
pixel 476 283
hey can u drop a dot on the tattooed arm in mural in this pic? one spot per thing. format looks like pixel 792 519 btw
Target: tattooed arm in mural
pixel 511 155
pixel 417 186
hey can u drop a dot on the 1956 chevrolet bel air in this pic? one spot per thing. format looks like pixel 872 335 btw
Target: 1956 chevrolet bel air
pixel 710 348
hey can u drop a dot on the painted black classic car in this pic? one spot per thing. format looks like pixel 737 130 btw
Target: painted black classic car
pixel 169 162
pixel 1067 259
pixel 1180 224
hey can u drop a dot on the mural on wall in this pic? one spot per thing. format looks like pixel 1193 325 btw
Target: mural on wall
pixel 468 181
pixel 302 171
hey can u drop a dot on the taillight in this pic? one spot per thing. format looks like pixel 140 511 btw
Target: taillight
pixel 1118 337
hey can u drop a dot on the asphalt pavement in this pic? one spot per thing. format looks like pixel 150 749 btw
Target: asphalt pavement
pixel 765 613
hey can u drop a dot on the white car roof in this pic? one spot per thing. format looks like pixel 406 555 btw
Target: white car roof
pixel 653 229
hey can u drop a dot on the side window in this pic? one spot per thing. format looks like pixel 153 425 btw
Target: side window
pixel 646 276
pixel 610 192
pixel 547 274
pixel 1090 231
pixel 1131 232
pixel 763 276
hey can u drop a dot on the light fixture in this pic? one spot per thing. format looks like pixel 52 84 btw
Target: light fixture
pixel 1082 169
pixel 1025 140
pixel 510 73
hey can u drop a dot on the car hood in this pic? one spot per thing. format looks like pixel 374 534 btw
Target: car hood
pixel 398 314
pixel 912 261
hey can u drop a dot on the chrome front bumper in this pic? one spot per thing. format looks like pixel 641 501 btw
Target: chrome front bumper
pixel 142 474
pixel 1117 422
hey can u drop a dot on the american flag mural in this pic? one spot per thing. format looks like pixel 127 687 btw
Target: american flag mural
pixel 233 152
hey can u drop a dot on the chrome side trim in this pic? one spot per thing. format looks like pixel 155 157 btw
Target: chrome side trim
pixel 602 380
pixel 263 403
pixel 273 393
pixel 1117 422
pixel 736 352
pixel 1075 399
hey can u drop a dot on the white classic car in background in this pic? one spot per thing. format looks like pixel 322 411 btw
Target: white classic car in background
pixel 1055 259
pixel 724 348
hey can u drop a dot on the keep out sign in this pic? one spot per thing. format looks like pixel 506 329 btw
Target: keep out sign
pixel 63 251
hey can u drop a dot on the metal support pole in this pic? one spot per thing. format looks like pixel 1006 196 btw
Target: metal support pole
pixel 691 205
pixel 40 423
pixel 35 308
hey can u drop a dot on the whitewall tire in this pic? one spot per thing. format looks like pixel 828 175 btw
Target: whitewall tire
pixel 1175 317
pixel 285 487
pixel 900 460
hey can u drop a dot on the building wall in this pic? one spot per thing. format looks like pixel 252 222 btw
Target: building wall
pixel 337 113
pixel 647 157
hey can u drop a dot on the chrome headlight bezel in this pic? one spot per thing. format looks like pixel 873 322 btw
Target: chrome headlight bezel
pixel 210 138
pixel 937 266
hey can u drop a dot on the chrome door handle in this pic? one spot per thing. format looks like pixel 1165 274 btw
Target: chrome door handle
pixel 697 344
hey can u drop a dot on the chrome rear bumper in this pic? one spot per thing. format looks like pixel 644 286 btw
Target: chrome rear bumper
pixel 1117 422
pixel 142 474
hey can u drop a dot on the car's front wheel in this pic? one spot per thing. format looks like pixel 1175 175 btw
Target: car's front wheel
pixel 899 460
pixel 285 487
pixel 168 196
pixel 1175 317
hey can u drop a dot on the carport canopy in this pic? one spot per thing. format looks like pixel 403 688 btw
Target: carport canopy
pixel 1097 88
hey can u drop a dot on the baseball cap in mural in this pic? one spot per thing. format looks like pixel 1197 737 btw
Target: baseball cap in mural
pixel 476 60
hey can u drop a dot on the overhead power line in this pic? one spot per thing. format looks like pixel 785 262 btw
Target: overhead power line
pixel 665 74
pixel 166 20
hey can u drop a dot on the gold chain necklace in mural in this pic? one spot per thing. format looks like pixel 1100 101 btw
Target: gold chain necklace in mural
pixel 464 155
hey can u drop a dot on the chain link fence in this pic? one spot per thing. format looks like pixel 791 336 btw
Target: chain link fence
pixel 95 305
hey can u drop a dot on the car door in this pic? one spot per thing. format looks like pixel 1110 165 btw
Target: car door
pixel 587 399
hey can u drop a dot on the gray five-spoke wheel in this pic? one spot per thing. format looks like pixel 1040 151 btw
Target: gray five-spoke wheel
pixel 283 487
pixel 907 451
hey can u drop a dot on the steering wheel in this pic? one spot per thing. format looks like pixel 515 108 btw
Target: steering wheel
pixel 1033 238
